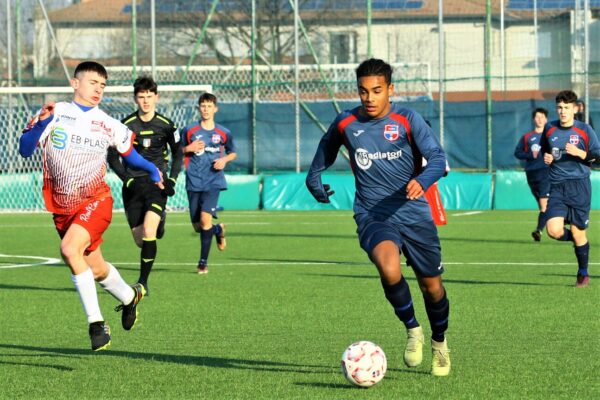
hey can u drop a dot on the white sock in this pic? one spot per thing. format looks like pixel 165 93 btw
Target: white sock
pixel 86 287
pixel 116 286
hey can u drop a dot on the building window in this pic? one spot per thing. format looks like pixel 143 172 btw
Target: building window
pixel 342 48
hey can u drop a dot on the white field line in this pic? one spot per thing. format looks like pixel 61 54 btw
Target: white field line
pixel 43 261
pixel 53 261
pixel 465 213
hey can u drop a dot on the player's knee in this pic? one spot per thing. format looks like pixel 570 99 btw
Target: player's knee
pixel 69 252
pixel 432 289
pixel 555 232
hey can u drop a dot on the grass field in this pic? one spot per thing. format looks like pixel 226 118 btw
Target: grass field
pixel 278 308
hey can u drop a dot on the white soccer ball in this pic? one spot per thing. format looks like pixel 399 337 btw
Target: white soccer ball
pixel 364 363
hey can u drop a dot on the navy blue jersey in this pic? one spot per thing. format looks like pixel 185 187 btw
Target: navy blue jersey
pixel 200 175
pixel 565 166
pixel 527 147
pixel 385 154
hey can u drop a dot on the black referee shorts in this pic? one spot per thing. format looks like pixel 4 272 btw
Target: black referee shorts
pixel 142 196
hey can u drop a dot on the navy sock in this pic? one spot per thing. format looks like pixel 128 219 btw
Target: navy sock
pixel 567 236
pixel 399 297
pixel 438 317
pixel 541 221
pixel 147 256
pixel 583 254
pixel 205 242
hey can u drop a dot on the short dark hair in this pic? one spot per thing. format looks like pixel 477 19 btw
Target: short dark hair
pixel 375 67
pixel 566 96
pixel 144 84
pixel 91 66
pixel 207 97
pixel 540 110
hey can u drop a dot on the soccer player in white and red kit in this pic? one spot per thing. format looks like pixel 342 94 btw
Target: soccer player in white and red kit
pixel 74 138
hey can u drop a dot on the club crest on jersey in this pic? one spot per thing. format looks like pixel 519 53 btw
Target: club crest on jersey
pixel 574 139
pixel 391 132
pixel 146 142
pixel 216 138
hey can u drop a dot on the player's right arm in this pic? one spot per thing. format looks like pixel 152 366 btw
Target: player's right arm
pixel 520 152
pixel 32 134
pixel 115 163
pixel 324 158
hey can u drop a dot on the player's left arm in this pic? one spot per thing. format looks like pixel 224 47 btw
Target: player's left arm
pixel 432 151
pixel 230 152
pixel 589 155
pixel 174 141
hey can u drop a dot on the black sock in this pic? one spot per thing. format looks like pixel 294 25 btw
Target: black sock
pixel 567 236
pixel 205 242
pixel 438 317
pixel 217 229
pixel 399 297
pixel 583 254
pixel 541 221
pixel 147 256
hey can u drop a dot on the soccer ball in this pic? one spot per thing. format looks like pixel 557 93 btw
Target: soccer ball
pixel 364 363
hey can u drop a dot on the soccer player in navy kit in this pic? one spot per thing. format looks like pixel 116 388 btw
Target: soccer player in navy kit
pixel 569 147
pixel 208 147
pixel 386 143
pixel 528 149
pixel 145 204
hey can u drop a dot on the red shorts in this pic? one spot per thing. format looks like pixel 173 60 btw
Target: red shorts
pixel 94 216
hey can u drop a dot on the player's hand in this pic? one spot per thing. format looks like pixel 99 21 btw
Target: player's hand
pixel 322 194
pixel 219 164
pixel 414 190
pixel 197 146
pixel 548 158
pixel 46 111
pixel 157 177
pixel 573 150
pixel 169 189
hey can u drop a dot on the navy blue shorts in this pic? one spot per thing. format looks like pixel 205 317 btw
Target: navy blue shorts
pixel 203 202
pixel 539 183
pixel 571 200
pixel 419 243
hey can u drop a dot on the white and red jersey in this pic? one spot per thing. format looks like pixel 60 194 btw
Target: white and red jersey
pixel 74 146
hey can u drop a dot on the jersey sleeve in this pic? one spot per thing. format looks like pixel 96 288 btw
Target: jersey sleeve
pixel 430 149
pixel 115 163
pixel 324 158
pixel 122 137
pixel 229 144
pixel 175 144
pixel 520 152
pixel 593 152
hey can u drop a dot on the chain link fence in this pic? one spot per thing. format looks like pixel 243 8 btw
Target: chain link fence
pixel 282 69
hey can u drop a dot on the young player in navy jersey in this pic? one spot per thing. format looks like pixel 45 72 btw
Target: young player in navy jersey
pixel 208 147
pixel 144 203
pixel 569 147
pixel 528 149
pixel 386 143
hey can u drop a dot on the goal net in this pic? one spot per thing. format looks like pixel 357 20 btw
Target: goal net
pixel 21 178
